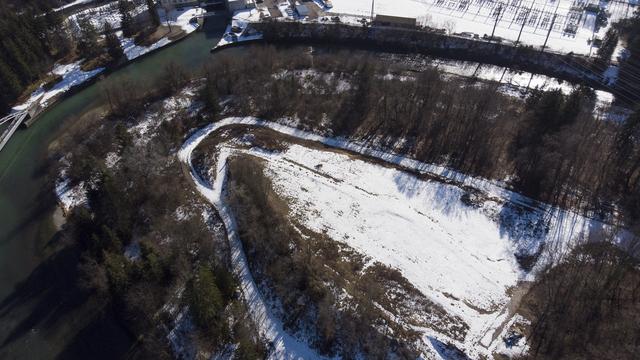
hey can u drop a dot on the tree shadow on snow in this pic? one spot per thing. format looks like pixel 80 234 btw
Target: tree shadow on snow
pixel 447 351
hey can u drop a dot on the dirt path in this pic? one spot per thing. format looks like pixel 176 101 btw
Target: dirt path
pixel 518 293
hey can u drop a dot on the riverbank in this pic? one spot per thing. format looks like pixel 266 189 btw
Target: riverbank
pixel 74 79
pixel 575 69
pixel 36 325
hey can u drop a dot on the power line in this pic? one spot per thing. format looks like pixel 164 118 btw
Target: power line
pixel 613 90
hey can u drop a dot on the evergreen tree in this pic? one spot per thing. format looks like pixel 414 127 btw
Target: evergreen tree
pixel 26 47
pixel 88 39
pixel 10 86
pixel 211 98
pixel 153 13
pixel 58 39
pixel 127 22
pixel 53 19
pixel 114 48
pixel 15 59
pixel 205 299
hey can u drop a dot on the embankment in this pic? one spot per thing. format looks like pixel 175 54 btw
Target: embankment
pixel 569 67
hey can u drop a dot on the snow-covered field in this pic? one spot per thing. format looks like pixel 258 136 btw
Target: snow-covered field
pixel 109 13
pixel 460 254
pixel 571 30
pixel 521 81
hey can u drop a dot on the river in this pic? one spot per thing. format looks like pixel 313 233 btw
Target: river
pixel 39 319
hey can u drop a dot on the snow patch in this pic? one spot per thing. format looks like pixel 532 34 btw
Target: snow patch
pixel 72 75
pixel 70 196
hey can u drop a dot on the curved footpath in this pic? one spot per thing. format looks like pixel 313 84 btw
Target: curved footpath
pixel 284 345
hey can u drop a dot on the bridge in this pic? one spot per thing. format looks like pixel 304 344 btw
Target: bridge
pixel 15 120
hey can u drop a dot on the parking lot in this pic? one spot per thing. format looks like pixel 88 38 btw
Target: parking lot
pixel 286 9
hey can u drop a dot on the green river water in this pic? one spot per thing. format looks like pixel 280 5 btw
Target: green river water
pixel 39 319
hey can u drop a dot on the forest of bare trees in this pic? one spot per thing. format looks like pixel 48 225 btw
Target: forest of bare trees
pixel 587 307
pixel 551 145
pixel 177 262
pixel 548 145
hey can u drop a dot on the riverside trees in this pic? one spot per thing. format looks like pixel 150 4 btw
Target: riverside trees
pixel 139 255
pixel 587 306
pixel 28 48
pixel 551 146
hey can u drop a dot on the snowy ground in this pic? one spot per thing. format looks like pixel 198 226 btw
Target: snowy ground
pixel 107 13
pixel 240 20
pixel 461 256
pixel 72 76
pixel 69 196
pixel 572 29
pixel 181 18
pixel 132 51
pixel 519 82
pixel 143 130
pixel 284 345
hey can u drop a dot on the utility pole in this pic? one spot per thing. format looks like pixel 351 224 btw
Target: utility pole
pixel 524 22
pixel 497 18
pixel 553 21
pixel 593 37
pixel 373 5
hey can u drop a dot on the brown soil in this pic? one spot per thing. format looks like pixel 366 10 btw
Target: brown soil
pixel 161 32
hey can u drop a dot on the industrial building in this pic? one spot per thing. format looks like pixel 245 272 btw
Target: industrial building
pixel 395 21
